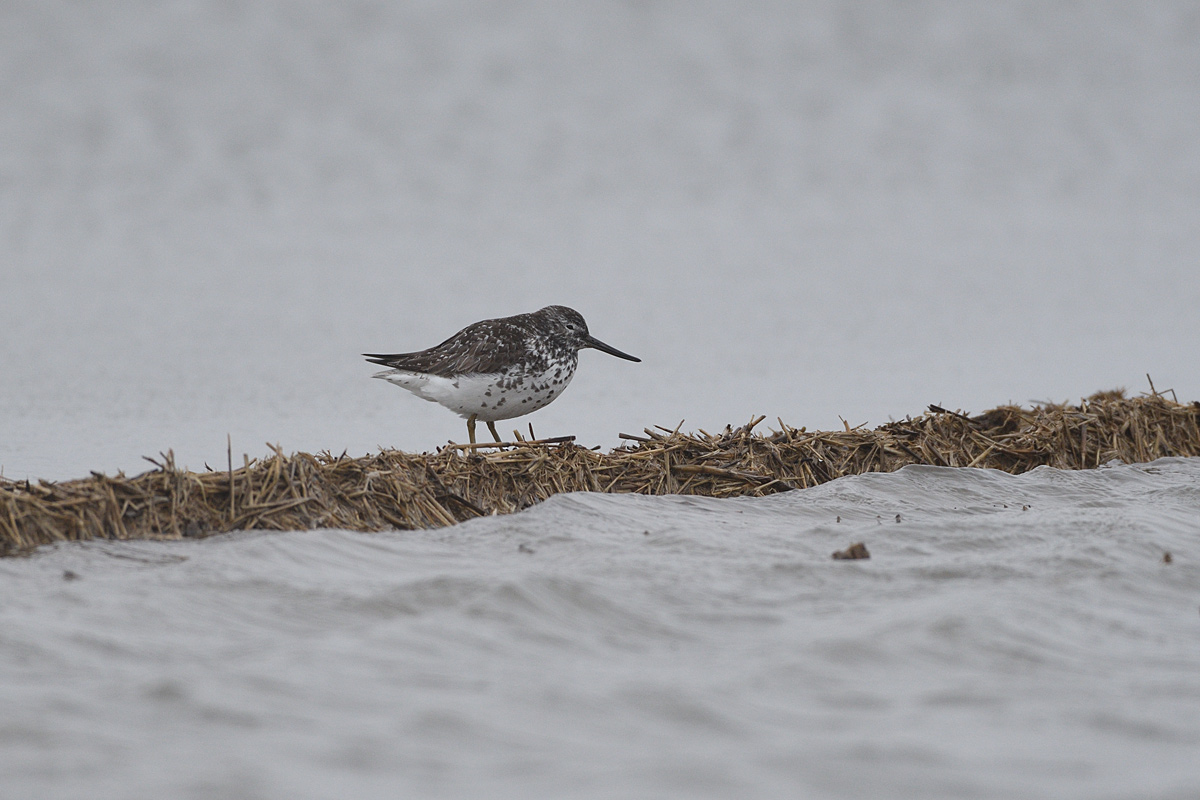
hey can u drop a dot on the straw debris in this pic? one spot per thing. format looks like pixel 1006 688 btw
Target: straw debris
pixel 397 490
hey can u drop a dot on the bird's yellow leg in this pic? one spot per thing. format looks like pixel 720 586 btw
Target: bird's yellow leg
pixel 492 428
pixel 471 427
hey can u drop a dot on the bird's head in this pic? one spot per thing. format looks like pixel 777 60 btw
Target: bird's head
pixel 568 324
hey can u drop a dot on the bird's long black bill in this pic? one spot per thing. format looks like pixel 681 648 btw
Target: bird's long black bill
pixel 612 351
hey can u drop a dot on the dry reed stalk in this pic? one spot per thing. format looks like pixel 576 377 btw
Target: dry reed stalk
pixel 393 489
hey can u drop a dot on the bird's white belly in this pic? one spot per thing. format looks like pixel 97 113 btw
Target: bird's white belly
pixel 488 397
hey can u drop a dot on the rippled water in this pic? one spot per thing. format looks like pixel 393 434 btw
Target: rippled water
pixel 1009 636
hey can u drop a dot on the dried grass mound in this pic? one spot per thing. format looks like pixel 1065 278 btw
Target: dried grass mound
pixel 392 489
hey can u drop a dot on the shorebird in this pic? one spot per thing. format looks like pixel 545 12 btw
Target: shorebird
pixel 498 368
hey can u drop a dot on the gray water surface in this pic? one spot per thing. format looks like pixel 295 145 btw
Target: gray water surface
pixel 808 210
pixel 1010 636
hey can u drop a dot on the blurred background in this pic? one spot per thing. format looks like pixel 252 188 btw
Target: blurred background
pixel 810 210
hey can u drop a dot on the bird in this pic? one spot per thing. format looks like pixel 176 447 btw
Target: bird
pixel 497 368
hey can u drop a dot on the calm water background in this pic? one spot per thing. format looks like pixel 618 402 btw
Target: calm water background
pixel 805 210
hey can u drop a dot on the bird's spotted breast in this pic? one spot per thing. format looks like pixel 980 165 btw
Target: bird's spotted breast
pixel 509 393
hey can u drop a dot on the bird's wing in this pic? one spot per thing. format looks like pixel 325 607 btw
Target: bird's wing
pixel 482 348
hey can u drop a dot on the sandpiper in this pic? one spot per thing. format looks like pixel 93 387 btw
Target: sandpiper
pixel 498 368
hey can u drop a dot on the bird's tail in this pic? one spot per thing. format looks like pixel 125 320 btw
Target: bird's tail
pixel 383 359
